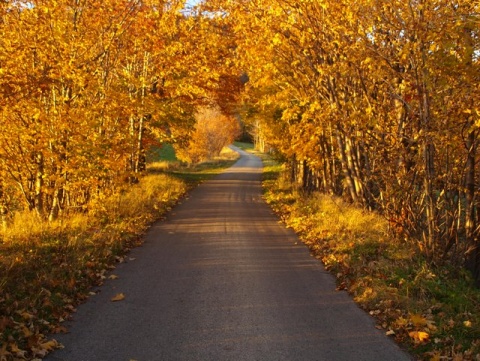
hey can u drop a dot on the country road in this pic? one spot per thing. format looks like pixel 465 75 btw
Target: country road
pixel 220 279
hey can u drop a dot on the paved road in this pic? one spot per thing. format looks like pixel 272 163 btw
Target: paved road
pixel 221 280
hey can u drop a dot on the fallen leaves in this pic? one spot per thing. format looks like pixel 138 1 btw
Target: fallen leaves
pixel 418 320
pixel 118 297
pixel 45 347
pixel 419 336
pixel 431 311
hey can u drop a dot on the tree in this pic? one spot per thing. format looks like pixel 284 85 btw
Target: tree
pixel 373 101
pixel 213 131
pixel 83 83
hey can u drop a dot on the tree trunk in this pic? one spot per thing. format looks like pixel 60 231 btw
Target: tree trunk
pixel 347 172
pixel 354 166
pixel 472 241
pixel 3 208
pixel 470 219
pixel 55 209
pixel 39 160
pixel 140 158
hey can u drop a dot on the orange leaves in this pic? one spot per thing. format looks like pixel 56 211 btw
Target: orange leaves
pixel 85 78
pixel 419 336
pixel 118 297
pixel 213 131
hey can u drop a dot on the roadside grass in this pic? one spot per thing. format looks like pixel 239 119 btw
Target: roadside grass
pixel 433 311
pixel 271 168
pixel 47 269
pixel 165 152
pixel 244 146
pixel 197 173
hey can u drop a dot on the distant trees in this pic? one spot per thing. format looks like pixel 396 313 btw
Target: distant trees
pixel 213 131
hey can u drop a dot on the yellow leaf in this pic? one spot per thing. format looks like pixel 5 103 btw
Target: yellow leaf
pixel 118 297
pixel 26 332
pixel 419 336
pixel 418 320
pixel 26 315
pixel 49 345
pixel 19 354
pixel 401 322
pixel 113 277
pixel 467 323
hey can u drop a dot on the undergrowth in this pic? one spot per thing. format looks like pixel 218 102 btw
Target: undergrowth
pixel 433 311
pixel 47 269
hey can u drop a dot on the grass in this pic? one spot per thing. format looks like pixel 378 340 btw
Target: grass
pixel 47 269
pixel 433 311
pixel 197 173
pixel 244 146
pixel 166 152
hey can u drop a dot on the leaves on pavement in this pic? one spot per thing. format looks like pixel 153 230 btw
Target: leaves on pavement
pixel 118 297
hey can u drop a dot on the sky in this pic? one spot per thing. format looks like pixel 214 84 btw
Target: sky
pixel 193 2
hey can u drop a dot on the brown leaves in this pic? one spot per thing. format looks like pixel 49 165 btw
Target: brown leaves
pixel 37 347
pixel 4 323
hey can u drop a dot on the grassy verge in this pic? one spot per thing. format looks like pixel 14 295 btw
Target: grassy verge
pixel 47 269
pixel 433 311
pixel 244 146
pixel 198 173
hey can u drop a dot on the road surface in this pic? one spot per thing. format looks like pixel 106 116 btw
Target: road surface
pixel 221 280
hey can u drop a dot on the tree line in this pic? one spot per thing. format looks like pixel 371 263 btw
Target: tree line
pixel 376 101
pixel 86 86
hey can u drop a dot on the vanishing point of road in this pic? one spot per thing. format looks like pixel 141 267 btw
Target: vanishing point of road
pixel 220 279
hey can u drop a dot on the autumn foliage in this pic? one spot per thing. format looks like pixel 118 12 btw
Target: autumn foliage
pixel 213 131
pixel 376 102
pixel 86 87
pixel 372 101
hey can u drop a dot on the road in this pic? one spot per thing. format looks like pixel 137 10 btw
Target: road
pixel 221 280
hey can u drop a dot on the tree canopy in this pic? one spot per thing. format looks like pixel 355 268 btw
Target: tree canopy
pixel 376 101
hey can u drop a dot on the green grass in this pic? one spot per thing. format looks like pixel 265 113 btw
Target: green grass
pixel 244 146
pixel 166 152
pixel 198 173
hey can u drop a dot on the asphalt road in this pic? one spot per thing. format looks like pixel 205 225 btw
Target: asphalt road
pixel 221 280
